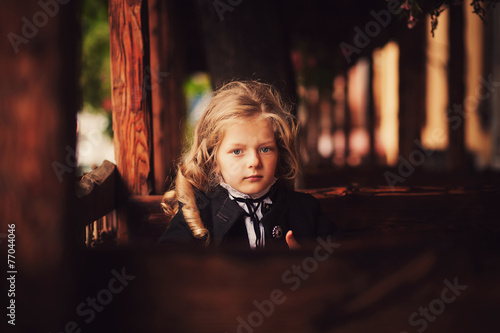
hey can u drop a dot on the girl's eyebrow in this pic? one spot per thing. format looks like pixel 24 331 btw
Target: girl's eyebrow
pixel 265 143
pixel 236 144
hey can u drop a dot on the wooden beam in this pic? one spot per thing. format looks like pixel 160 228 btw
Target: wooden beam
pixel 130 94
pixel 166 78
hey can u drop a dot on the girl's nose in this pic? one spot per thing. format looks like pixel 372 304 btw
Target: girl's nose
pixel 253 160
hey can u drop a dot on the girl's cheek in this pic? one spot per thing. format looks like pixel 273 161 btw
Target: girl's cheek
pixel 234 168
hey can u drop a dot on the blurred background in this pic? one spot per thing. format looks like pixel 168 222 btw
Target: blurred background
pixel 367 89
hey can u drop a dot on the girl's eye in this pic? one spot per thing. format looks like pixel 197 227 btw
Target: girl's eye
pixel 237 152
pixel 265 149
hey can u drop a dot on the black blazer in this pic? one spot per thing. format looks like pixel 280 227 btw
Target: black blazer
pixel 224 219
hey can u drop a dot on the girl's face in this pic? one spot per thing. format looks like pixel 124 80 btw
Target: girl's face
pixel 248 155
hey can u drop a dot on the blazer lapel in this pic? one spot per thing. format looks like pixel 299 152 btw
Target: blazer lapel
pixel 225 214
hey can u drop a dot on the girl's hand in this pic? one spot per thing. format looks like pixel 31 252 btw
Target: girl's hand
pixel 290 240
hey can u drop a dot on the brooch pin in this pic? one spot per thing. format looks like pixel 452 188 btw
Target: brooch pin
pixel 277 232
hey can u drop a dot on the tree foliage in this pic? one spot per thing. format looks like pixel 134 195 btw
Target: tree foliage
pixel 417 8
pixel 95 78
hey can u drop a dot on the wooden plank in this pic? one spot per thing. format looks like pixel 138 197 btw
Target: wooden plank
pixel 166 75
pixel 38 102
pixel 131 111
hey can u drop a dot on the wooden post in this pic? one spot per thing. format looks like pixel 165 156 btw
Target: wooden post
pixel 371 114
pixel 239 47
pixel 168 106
pixel 38 103
pixel 456 90
pixel 412 80
pixel 495 103
pixel 347 119
pixel 130 91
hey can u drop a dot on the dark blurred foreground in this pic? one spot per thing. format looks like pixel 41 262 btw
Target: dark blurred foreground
pixel 413 283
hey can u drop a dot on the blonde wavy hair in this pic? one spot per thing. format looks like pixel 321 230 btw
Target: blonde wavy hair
pixel 235 102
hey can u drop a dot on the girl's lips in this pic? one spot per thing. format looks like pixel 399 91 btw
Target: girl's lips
pixel 253 178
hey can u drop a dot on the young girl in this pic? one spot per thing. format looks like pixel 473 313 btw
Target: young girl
pixel 234 185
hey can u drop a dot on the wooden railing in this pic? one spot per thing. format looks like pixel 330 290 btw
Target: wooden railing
pixel 357 211
pixel 96 204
